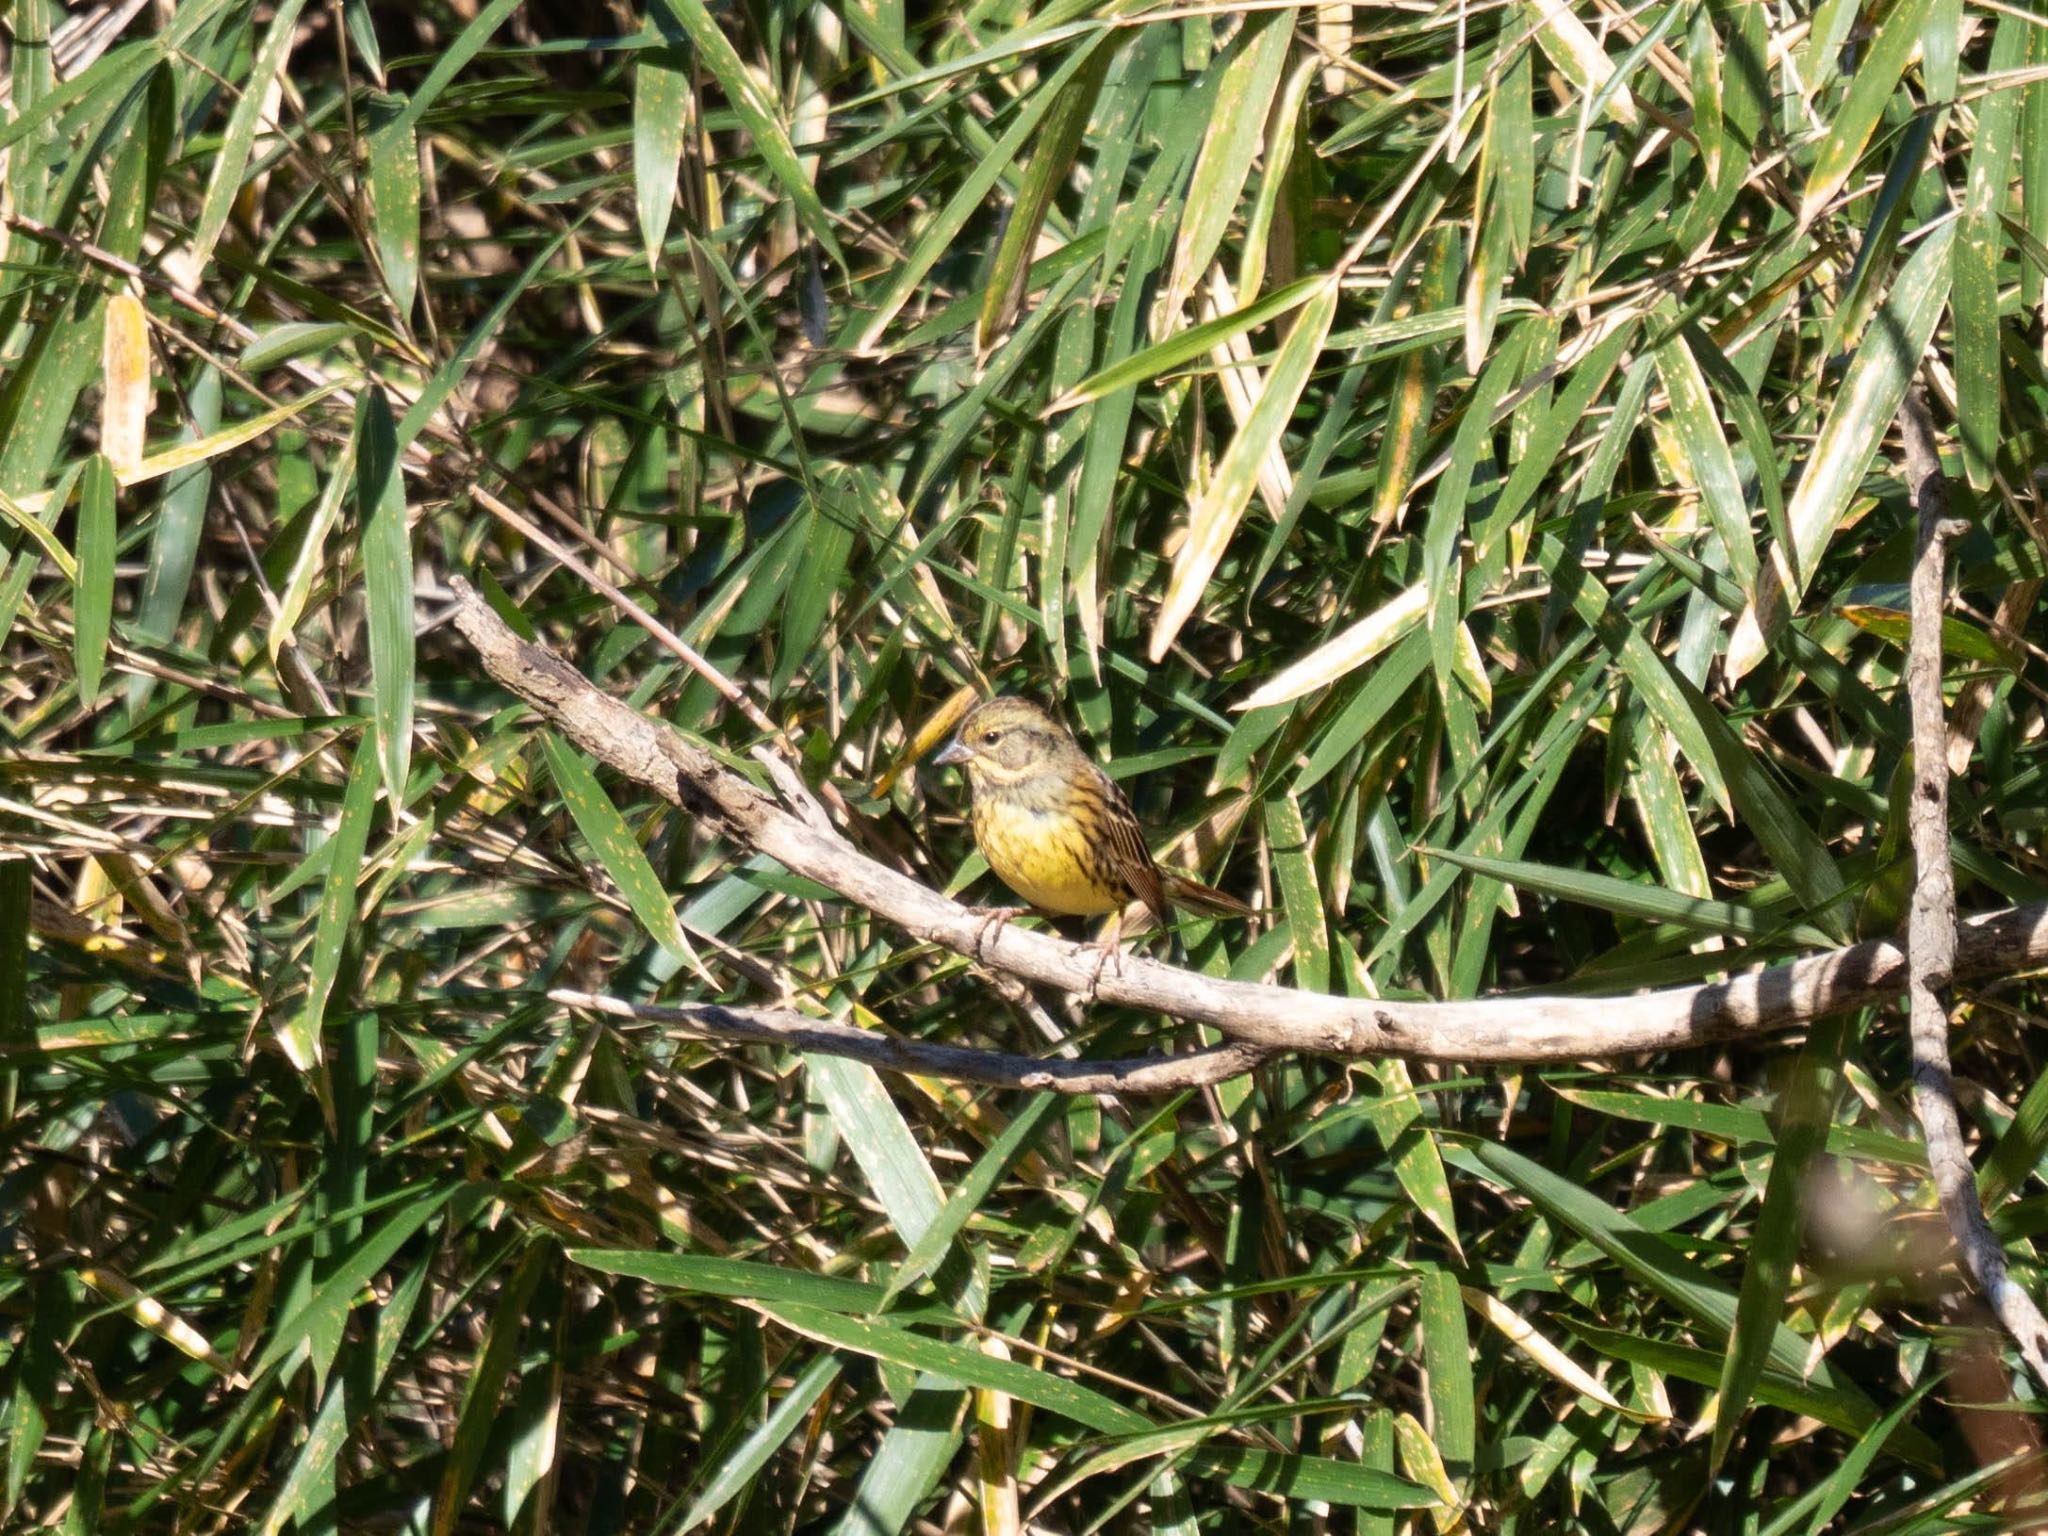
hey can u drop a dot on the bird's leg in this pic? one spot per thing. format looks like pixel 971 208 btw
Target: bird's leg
pixel 992 918
pixel 1108 951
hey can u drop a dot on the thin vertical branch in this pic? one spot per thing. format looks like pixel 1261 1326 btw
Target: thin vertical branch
pixel 1931 923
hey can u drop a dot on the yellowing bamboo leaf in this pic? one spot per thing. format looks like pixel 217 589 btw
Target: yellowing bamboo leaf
pixel 1239 378
pixel 1469 667
pixel 1547 1356
pixel 1579 56
pixel 1420 1461
pixel 184 455
pixel 124 391
pixel 24 515
pixel 1348 651
pixel 160 1320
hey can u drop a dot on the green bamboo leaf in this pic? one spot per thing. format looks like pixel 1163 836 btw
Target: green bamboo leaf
pixel 1392 676
pixel 456 368
pixel 1773 1247
pixel 1571 46
pixel 910 275
pixel 1856 424
pixel 970 1367
pixel 310 562
pixel 1236 130
pixel 325 1310
pixel 1849 129
pixel 1294 864
pixel 2033 172
pixel 739 1279
pixel 1395 1115
pixel 1979 242
pixel 1441 572
pixel 761 116
pixel 661 120
pixel 180 520
pixel 1277 175
pixel 94 614
pixel 386 544
pixel 888 1154
pixel 911 1459
pixel 1637 899
pixel 1738 1126
pixel 1698 425
pixel 197 451
pixel 394 187
pixel 1841 1408
pixel 1642 1254
pixel 1878 250
pixel 308 1487
pixel 1447 1355
pixel 301 1033
pixel 735 1473
pixel 17 1029
pixel 128 142
pixel 930 1249
pixel 617 851
pixel 449 63
pixel 1213 517
pixel 1052 163
pixel 1307 1477
pixel 1847 1479
pixel 476 1420
pixel 2020 1147
pixel 224 183
pixel 834 506
pixel 36 1363
pixel 1185 345
pixel 36 524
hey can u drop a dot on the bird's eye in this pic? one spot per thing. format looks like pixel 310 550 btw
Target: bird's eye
pixel 990 738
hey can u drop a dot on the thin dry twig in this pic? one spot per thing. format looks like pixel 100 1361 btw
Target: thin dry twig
pixel 1931 923
pixel 1505 1029
pixel 956 1063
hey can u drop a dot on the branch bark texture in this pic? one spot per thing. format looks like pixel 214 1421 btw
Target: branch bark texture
pixel 1509 1029
pixel 1931 922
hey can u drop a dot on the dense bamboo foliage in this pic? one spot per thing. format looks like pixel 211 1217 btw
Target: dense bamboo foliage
pixel 1440 455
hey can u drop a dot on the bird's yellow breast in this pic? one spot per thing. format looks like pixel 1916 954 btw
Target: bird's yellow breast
pixel 1044 855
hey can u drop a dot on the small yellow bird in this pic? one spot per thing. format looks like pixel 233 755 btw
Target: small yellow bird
pixel 1055 827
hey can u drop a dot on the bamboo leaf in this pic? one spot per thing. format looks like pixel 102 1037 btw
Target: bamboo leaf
pixel 1980 237
pixel 387 578
pixel 1856 424
pixel 762 117
pixel 1052 162
pixel 661 119
pixel 97 535
pixel 1849 128
pixel 1213 517
pixel 1244 101
pixel 394 186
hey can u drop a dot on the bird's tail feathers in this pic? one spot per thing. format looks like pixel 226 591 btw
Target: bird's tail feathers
pixel 1197 897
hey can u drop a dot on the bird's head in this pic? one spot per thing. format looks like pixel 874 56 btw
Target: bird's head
pixel 1006 740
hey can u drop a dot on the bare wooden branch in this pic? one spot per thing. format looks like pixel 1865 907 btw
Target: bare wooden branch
pixel 1505 1029
pixel 1931 922
pixel 957 1063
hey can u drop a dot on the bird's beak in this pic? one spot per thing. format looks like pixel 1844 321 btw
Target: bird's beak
pixel 954 751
